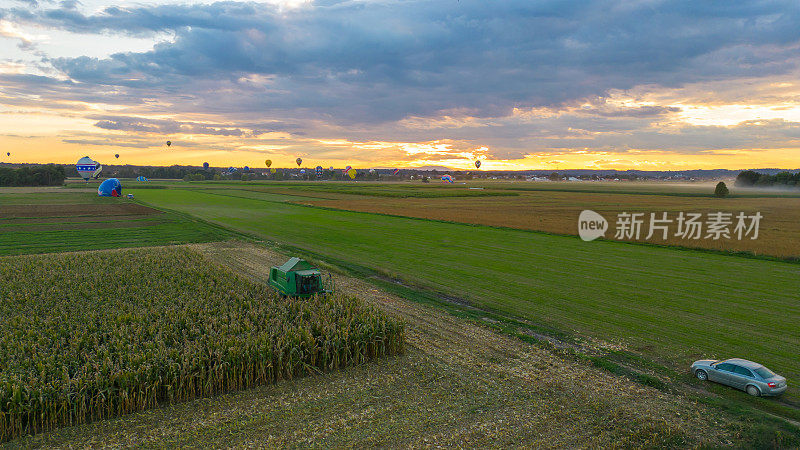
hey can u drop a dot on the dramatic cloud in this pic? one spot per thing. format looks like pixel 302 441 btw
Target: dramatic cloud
pixel 517 76
pixel 163 127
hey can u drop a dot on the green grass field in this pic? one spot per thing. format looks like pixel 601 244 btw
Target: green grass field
pixel 73 221
pixel 674 305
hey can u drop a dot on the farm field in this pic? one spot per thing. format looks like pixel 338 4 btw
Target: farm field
pixel 45 221
pixel 91 336
pixel 461 379
pixel 669 304
pixel 458 384
pixel 680 189
pixel 558 211
pixel 555 207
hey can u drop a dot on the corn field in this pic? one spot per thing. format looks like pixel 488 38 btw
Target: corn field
pixel 85 337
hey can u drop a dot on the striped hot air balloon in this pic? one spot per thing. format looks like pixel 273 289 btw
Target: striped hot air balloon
pixel 86 167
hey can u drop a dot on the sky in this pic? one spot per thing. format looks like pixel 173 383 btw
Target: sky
pixel 518 84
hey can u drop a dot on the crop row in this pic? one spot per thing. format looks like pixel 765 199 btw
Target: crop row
pixel 95 335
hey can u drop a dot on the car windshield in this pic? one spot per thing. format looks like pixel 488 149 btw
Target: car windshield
pixel 763 372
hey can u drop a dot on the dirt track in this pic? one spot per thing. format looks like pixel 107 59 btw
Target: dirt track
pixel 459 385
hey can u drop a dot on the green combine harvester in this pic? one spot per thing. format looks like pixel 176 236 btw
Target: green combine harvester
pixel 298 278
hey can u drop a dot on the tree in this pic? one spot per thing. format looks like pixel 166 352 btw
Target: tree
pixel 48 175
pixel 721 190
pixel 554 176
pixel 747 178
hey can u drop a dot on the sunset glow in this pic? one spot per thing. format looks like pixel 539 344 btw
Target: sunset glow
pixel 281 80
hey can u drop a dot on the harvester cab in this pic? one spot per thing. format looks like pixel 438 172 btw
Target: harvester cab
pixel 298 278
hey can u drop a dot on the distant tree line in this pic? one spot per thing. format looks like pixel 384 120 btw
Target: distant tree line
pixel 171 172
pixel 47 175
pixel 752 178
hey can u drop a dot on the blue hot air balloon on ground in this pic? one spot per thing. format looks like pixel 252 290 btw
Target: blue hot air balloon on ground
pixel 110 188
pixel 447 179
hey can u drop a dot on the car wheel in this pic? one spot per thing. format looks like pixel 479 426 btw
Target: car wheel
pixel 701 375
pixel 752 390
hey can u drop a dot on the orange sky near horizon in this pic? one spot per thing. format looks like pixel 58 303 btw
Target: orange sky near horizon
pixel 40 149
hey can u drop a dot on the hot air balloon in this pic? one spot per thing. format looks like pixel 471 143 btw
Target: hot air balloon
pixel 272 170
pixel 206 165
pixel 110 188
pixel 330 168
pixel 8 154
pixel 352 174
pixel 346 169
pixel 319 170
pixel 478 164
pixel 395 171
pixel 447 179
pixel 246 168
pixel 86 167
pixel 371 170
pixel 268 162
pixel 169 143
pixel 302 170
pixel 299 161
pixel 116 156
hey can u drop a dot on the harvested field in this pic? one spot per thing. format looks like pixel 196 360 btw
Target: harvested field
pixel 459 385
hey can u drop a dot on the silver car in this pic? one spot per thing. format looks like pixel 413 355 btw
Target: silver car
pixel 748 376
